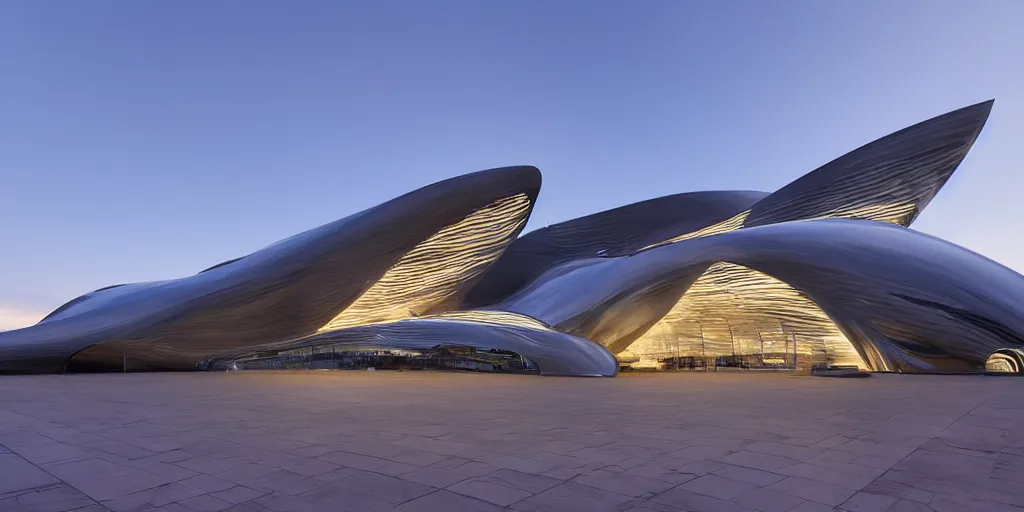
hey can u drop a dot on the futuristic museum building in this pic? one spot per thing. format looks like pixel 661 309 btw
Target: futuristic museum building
pixel 822 273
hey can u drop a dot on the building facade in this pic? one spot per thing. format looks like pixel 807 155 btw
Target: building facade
pixel 823 272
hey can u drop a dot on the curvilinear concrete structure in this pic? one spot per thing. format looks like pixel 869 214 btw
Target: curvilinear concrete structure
pixel 821 273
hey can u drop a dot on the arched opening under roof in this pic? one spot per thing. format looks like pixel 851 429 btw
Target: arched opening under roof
pixel 1005 361
pixel 734 316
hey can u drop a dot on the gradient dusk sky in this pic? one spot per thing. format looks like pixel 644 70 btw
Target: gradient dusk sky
pixel 150 140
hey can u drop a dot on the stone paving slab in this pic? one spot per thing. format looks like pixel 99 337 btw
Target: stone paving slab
pixel 414 441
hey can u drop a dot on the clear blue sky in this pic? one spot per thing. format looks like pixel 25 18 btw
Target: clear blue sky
pixel 149 140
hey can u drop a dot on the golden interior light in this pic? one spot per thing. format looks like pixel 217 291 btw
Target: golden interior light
pixel 734 310
pixel 433 272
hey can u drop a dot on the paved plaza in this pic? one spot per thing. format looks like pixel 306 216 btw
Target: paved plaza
pixel 413 441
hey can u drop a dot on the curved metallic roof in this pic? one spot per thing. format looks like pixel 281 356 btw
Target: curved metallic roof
pixel 289 289
pixel 906 301
pixel 616 232
pixel 891 179
pixel 740 265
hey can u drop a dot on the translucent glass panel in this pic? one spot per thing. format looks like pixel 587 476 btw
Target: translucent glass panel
pixel 732 311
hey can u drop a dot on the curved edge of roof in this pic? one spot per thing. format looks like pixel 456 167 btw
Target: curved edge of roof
pixel 915 161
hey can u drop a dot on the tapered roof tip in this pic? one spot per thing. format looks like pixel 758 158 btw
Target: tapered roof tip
pixel 981 109
pixel 984 105
pixel 976 115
